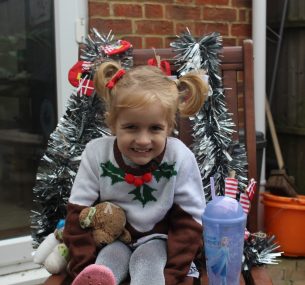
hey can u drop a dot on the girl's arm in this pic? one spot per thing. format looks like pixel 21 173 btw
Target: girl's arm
pixel 80 243
pixel 82 249
pixel 185 226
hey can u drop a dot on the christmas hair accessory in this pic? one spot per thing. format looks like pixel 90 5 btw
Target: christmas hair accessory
pixel 205 78
pixel 174 79
pixel 162 64
pixel 111 83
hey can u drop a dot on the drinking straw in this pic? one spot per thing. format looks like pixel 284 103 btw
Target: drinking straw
pixel 212 187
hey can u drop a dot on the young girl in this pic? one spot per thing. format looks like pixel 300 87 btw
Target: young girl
pixel 153 177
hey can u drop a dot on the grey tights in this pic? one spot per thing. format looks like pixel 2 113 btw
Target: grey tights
pixel 145 264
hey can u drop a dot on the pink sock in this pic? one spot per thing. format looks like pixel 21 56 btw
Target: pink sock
pixel 95 275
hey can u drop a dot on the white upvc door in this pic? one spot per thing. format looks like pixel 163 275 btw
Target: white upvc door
pixel 16 266
pixel 71 25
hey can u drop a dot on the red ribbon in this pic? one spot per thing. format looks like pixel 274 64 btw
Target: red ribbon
pixel 111 83
pixel 164 65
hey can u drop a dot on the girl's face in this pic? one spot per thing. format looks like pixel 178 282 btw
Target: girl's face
pixel 141 132
pixel 225 241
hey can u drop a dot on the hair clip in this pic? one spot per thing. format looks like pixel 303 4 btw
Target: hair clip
pixel 162 64
pixel 111 83
pixel 205 78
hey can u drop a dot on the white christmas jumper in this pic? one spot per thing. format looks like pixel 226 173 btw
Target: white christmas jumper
pixel 170 204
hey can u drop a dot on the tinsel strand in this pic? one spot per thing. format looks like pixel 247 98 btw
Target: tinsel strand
pixel 83 121
pixel 213 127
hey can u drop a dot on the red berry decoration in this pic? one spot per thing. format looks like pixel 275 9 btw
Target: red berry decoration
pixel 147 177
pixel 138 182
pixel 129 178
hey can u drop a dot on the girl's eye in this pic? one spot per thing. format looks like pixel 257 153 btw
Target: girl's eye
pixel 157 128
pixel 130 127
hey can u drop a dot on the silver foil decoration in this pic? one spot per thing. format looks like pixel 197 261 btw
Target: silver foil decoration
pixel 214 148
pixel 83 121
pixel 93 52
pixel 259 249
pixel 213 126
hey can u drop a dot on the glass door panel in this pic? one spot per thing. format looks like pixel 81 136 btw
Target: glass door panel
pixel 28 107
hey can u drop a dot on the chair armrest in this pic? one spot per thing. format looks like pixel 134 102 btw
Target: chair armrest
pixel 259 276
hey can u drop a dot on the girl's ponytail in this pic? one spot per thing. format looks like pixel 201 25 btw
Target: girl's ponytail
pixel 193 92
pixel 103 74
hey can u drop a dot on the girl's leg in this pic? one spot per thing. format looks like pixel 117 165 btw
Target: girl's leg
pixel 116 257
pixel 147 263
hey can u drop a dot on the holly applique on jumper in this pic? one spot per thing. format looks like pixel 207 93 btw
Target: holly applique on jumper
pixel 142 191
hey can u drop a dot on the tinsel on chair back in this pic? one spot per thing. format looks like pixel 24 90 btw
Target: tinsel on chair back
pixel 215 151
pixel 83 121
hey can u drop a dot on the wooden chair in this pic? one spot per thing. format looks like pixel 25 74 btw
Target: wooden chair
pixel 237 72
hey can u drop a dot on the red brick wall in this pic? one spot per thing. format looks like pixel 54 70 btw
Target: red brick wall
pixel 156 23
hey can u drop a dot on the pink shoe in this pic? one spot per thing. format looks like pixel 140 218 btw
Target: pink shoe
pixel 95 274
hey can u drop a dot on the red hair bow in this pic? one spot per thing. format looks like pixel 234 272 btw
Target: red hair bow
pixel 110 84
pixel 164 65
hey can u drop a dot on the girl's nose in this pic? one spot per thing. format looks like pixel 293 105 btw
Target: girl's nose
pixel 143 138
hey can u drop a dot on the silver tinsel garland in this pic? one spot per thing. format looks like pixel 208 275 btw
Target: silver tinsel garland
pixel 82 122
pixel 94 50
pixel 58 166
pixel 259 249
pixel 213 146
pixel 213 127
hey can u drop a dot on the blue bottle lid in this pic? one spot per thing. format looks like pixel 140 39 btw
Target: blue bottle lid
pixel 222 209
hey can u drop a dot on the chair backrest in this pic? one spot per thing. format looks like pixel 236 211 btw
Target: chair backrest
pixel 237 74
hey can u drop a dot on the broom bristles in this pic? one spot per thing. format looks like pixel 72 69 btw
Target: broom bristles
pixel 279 183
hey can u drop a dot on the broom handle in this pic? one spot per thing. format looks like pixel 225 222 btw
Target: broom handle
pixel 275 141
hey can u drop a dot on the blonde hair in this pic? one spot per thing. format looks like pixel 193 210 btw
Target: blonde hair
pixel 144 85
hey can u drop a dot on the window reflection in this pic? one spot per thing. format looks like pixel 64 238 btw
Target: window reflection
pixel 27 105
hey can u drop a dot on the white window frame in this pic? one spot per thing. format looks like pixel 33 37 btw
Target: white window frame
pixel 16 254
pixel 71 26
